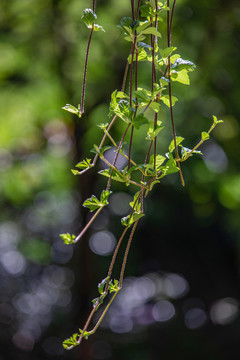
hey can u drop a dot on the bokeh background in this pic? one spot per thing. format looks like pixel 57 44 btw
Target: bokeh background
pixel 181 294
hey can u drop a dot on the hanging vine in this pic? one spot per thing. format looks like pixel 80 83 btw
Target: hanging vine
pixel 132 109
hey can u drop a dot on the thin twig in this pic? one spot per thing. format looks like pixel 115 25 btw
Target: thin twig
pixel 169 28
pixel 88 224
pixel 116 157
pixel 85 72
pixel 126 253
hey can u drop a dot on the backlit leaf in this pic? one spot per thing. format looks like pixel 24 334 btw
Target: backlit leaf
pixel 205 136
pixel 165 99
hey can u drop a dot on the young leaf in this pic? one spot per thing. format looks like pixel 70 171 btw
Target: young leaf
pixel 70 108
pixel 153 132
pixel 121 95
pixel 155 106
pixel 115 175
pixel 181 64
pixel 179 139
pixel 75 172
pixel 104 196
pixel 205 136
pixel 97 302
pixel 113 286
pixel 142 56
pixel 67 238
pixel 85 164
pixel 85 335
pixel 89 17
pixel 130 219
pixel 152 31
pixel 121 108
pixel 163 82
pixel 167 51
pixel 98 28
pixel 216 121
pixel 72 341
pixel 143 95
pixel 127 22
pixel 170 167
pixel 180 76
pixel 143 45
pixel 147 10
pixel 136 203
pixel 139 120
pixel 185 151
pixel 103 126
pixel 102 284
pixel 92 203
pixel 159 160
pixel 101 151
pixel 166 101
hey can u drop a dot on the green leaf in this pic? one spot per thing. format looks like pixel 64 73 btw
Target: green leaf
pixel 89 17
pixel 139 121
pixel 205 136
pixel 171 147
pixel 181 64
pixel 180 76
pixel 93 203
pixel 155 106
pixel 85 335
pixel 103 126
pixel 153 132
pixel 68 238
pixel 143 95
pixel 159 160
pixel 136 203
pixel 147 10
pixel 166 101
pixel 97 302
pixel 163 81
pixel 216 121
pixel 115 175
pixel 70 108
pixel 154 183
pixel 120 107
pixel 185 151
pixel 142 56
pixel 121 95
pixel 85 164
pixel 144 45
pixel 167 51
pixel 104 196
pixel 75 172
pixel 102 284
pixel 127 22
pixel 114 286
pixel 130 219
pixel 170 167
pixel 151 31
pixel 101 151
pixel 72 341
pixel 98 28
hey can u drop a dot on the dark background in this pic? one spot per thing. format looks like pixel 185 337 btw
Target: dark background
pixel 181 294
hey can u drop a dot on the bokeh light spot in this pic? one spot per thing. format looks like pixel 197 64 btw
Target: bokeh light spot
pixel 102 243
pixel 195 318
pixel 163 310
pixel 13 262
pixel 224 311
